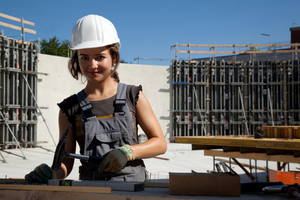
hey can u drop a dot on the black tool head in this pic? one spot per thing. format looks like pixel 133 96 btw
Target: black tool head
pixel 60 151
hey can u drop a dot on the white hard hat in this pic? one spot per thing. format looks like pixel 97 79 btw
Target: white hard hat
pixel 94 31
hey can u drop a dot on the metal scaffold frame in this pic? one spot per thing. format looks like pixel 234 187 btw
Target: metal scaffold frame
pixel 18 121
pixel 18 91
pixel 217 97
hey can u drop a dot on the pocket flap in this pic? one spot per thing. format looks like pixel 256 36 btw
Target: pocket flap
pixel 109 137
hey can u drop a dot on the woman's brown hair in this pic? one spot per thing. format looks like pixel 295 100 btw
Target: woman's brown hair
pixel 74 68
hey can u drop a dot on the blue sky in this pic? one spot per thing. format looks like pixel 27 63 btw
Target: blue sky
pixel 147 29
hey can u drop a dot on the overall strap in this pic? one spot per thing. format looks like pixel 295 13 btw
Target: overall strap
pixel 120 101
pixel 85 104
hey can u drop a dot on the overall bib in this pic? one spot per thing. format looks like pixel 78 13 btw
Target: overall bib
pixel 107 133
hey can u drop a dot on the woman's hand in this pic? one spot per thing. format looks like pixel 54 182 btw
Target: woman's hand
pixel 116 159
pixel 41 174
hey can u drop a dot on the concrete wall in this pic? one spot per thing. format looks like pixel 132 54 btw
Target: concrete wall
pixel 59 84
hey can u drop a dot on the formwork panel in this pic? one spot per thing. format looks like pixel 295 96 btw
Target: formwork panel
pixel 233 98
pixel 18 87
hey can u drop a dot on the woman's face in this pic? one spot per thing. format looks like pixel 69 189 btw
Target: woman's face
pixel 95 63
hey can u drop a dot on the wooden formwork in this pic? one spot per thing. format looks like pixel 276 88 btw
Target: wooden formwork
pixel 280 131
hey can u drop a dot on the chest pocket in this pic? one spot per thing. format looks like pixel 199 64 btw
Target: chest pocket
pixel 104 134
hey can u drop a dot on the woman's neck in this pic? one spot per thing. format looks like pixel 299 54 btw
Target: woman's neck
pixel 96 91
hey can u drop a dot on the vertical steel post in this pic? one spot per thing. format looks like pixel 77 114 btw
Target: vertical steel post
pixel 284 94
pixel 271 106
pixel 23 32
pixel 11 132
pixel 208 101
pixel 245 117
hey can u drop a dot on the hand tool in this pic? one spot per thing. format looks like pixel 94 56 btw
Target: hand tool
pixel 60 153
pixel 254 187
pixel 279 188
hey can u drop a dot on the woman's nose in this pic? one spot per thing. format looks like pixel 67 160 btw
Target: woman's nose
pixel 93 63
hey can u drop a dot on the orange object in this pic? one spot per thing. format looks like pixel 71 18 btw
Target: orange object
pixel 287 177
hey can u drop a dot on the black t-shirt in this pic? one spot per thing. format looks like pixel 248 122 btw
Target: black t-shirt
pixel 71 109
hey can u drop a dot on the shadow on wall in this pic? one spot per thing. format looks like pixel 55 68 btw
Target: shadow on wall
pixel 168 118
pixel 168 134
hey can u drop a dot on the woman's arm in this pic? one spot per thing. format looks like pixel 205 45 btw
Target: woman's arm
pixel 70 146
pixel 156 143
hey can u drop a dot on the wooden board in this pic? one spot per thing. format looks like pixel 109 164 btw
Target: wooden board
pixel 280 131
pixel 236 45
pixel 254 156
pixel 16 19
pixel 242 141
pixel 17 27
pixel 237 52
pixel 55 188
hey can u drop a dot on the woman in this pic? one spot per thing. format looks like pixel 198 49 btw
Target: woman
pixel 105 114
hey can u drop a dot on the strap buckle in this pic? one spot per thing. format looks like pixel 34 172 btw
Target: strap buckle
pixel 119 104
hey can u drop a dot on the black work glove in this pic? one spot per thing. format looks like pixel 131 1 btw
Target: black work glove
pixel 41 174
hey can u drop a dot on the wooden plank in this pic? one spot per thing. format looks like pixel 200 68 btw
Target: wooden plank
pixel 252 150
pixel 281 131
pixel 279 127
pixel 202 147
pixel 238 52
pixel 16 19
pixel 56 188
pixel 275 133
pixel 254 156
pixel 296 154
pixel 231 149
pixel 237 45
pixel 290 133
pixel 20 42
pixel 162 158
pixel 17 27
pixel 284 144
pixel 279 152
pixel 15 180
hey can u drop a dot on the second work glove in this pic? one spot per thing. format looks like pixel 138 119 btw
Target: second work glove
pixel 41 174
pixel 116 159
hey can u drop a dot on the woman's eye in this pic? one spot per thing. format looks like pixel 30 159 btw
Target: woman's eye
pixel 100 57
pixel 84 58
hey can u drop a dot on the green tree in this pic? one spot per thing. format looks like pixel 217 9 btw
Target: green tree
pixel 54 47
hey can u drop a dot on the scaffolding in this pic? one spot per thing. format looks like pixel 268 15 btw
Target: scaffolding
pixel 212 96
pixel 18 88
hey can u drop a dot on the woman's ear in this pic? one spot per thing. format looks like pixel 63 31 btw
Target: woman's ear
pixel 114 60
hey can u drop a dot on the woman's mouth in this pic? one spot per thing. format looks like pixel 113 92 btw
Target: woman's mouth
pixel 93 73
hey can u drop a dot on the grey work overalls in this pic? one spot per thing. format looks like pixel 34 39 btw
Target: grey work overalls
pixel 103 135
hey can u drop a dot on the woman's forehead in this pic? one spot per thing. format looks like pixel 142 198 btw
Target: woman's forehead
pixel 93 51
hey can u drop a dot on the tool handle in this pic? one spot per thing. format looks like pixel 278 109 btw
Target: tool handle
pixel 91 159
pixel 95 159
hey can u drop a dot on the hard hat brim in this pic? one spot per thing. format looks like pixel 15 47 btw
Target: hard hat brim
pixel 93 44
